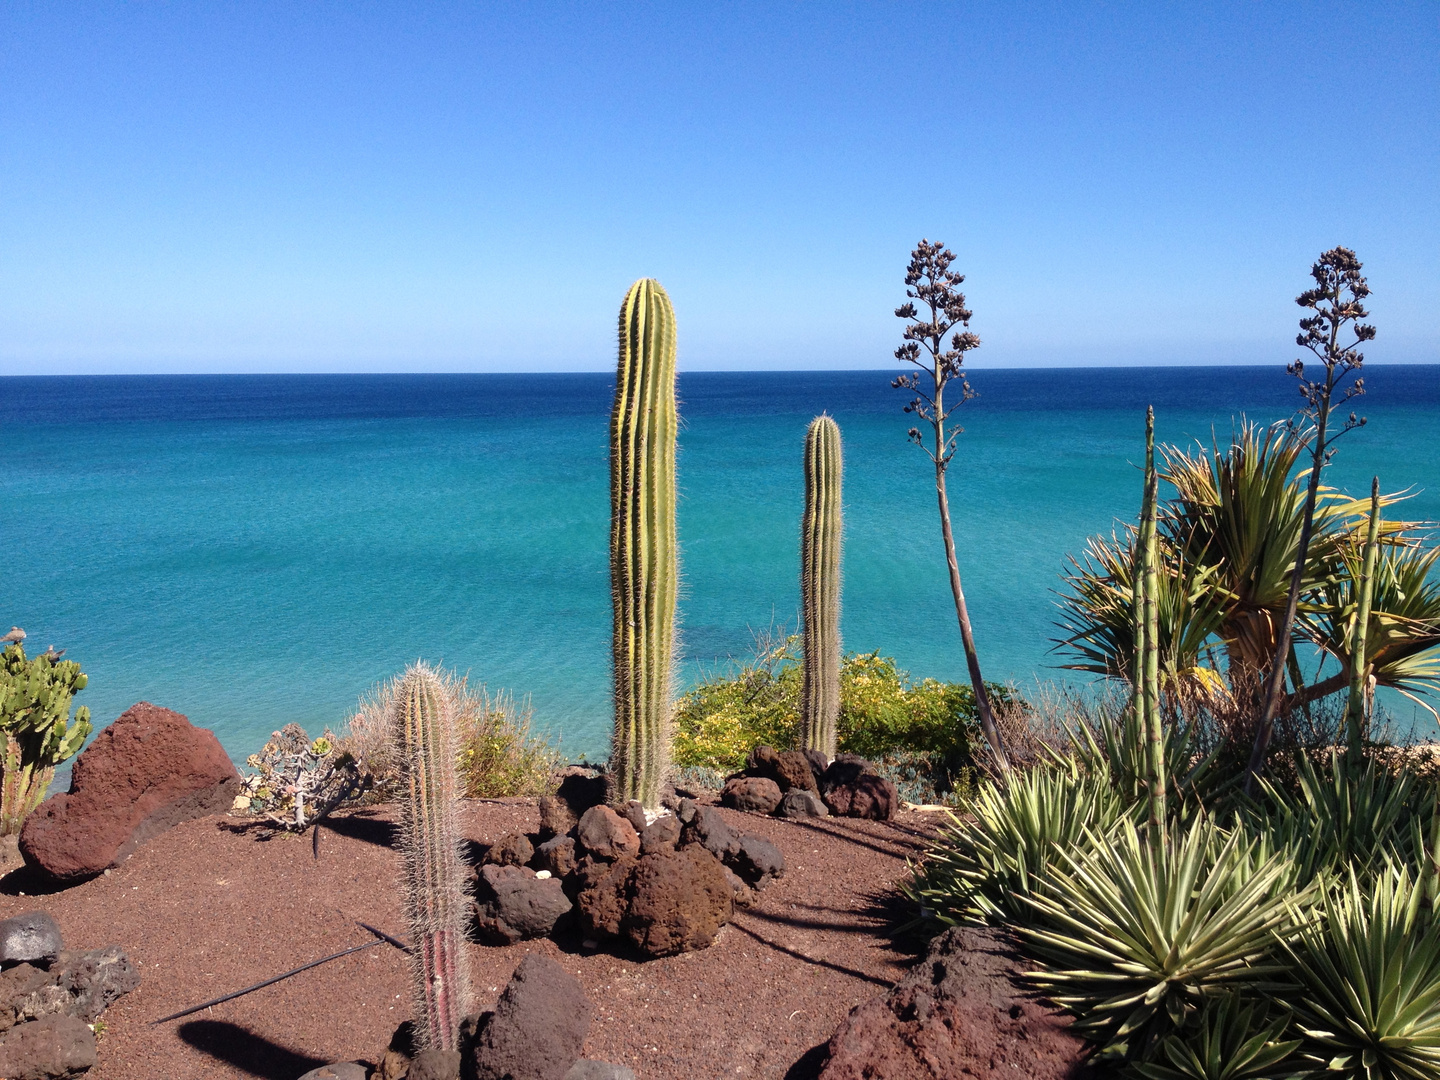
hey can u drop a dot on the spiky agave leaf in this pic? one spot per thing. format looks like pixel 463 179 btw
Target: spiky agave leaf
pixel 982 866
pixel 1139 934
pixel 1368 960
pixel 1233 1040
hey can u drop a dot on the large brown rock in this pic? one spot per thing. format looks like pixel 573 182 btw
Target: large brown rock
pixel 50 1048
pixel 957 1013
pixel 148 771
pixel 604 895
pixel 679 901
pixel 606 835
pixel 868 795
pixel 756 794
pixel 792 770
pixel 538 1026
pixel 579 790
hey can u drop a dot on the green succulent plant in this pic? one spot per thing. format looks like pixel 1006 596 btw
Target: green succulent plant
pixel 1230 1041
pixel 1368 963
pixel 1137 934
pixel 39 732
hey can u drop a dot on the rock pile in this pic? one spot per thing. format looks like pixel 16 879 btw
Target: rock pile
pixel 536 1031
pixel 802 783
pixel 664 884
pixel 49 997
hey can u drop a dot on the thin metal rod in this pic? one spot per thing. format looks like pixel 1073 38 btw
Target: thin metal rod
pixel 384 936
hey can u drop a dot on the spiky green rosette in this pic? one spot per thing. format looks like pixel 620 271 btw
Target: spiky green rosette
pixel 820 586
pixel 644 568
pixel 423 733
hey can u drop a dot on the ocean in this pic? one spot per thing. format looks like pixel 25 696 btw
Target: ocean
pixel 257 550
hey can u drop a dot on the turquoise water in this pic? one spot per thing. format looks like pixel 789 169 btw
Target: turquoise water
pixel 255 550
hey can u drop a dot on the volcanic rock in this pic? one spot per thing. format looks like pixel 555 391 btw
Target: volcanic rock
pixel 606 835
pixel 818 764
pixel 556 855
pixel 148 771
pixel 634 812
pixel 661 835
pixel 603 895
pixel 512 849
pixel 711 831
pixel 867 796
pixel 434 1064
pixel 537 1028
pixel 579 790
pixel 679 901
pixel 792 770
pixel 30 936
pixel 514 904
pixel 799 803
pixel 47 1049
pixel 757 860
pixel 757 794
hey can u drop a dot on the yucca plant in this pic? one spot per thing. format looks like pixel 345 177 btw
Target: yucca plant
pixel 1138 934
pixel 1233 1039
pixel 981 867
pixel 1113 746
pixel 1368 962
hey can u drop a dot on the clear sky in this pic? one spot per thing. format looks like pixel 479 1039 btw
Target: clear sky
pixel 432 187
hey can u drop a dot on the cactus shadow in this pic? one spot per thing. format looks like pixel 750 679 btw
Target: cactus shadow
pixel 245 1050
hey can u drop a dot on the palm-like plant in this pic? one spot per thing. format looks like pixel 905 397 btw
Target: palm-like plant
pixel 1368 960
pixel 1138 934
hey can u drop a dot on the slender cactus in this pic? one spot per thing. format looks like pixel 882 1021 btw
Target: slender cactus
pixel 422 729
pixel 1148 664
pixel 820 586
pixel 643 553
pixel 1355 715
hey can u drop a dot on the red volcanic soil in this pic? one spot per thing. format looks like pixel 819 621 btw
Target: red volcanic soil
pixel 207 908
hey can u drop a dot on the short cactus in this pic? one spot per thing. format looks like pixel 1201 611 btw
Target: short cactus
pixel 644 568
pixel 820 586
pixel 422 729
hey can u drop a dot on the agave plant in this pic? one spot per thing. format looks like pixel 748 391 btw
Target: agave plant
pixel 1368 962
pixel 1112 746
pixel 1137 934
pixel 1231 1041
pixel 980 868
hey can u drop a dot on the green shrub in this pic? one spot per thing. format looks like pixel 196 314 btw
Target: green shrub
pixel 921 730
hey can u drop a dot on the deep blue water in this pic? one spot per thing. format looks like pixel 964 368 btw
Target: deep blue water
pixel 252 550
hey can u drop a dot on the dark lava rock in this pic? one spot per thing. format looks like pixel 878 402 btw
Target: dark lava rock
pixel 799 803
pixel 686 810
pixel 708 829
pixel 792 770
pixel 634 812
pixel 603 895
pixel 338 1070
pixel 513 904
pixel 956 1013
pixel 537 1028
pixel 757 860
pixel 844 770
pixel 588 1069
pixel 78 984
pixel 679 901
pixel 756 794
pixel 434 1065
pixel 740 893
pixel 818 764
pixel 512 849
pixel 606 835
pixel 148 771
pixel 762 761
pixel 579 790
pixel 556 855
pixel 28 937
pixel 867 796
pixel 50 1048
pixel 661 835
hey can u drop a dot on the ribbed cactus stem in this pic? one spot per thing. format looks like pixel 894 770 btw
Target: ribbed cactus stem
pixel 820 586
pixel 422 730
pixel 1356 713
pixel 644 567
pixel 1154 756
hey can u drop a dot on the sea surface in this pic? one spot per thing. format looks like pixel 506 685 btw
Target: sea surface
pixel 256 550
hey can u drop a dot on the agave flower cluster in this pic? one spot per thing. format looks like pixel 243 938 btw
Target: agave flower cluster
pixel 1292 937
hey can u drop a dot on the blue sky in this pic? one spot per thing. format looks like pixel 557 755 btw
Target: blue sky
pixel 432 187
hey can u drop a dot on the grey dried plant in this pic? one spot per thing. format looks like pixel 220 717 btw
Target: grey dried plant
pixel 929 280
pixel 1337 301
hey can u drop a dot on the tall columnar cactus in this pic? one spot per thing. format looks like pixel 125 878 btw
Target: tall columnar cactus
pixel 422 729
pixel 1359 665
pixel 644 568
pixel 820 586
pixel 1146 676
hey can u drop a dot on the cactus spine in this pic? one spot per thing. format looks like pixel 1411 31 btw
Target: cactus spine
pixel 422 730
pixel 1355 714
pixel 644 567
pixel 820 586
pixel 1146 592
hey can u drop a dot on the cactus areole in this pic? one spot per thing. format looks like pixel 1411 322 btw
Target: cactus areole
pixel 424 741
pixel 644 566
pixel 820 586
